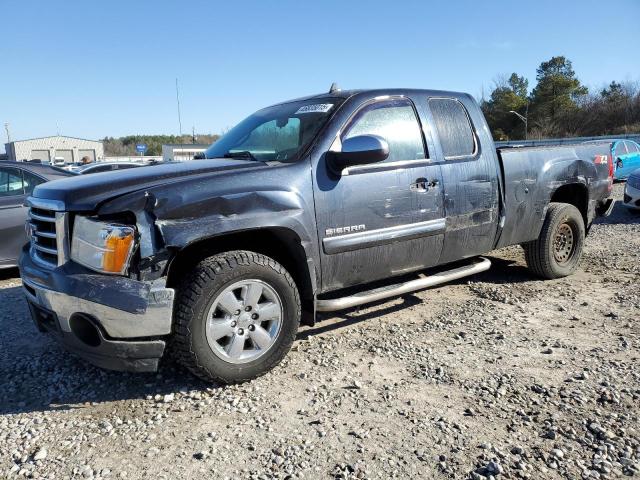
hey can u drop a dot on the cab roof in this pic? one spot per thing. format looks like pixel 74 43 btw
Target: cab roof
pixel 345 94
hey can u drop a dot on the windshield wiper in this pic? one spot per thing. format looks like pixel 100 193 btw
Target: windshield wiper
pixel 240 154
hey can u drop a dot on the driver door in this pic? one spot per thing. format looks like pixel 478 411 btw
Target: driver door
pixel 382 219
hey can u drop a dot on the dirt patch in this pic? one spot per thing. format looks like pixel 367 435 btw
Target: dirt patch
pixel 499 375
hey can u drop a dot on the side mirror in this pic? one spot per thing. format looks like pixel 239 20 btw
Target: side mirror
pixel 360 150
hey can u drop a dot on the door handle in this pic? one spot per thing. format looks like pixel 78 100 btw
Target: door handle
pixel 423 185
pixel 420 185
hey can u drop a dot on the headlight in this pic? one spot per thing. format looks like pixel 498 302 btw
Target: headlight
pixel 105 247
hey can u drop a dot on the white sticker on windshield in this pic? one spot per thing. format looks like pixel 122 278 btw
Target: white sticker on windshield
pixel 316 108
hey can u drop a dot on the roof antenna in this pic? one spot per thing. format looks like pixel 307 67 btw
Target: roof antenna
pixel 334 88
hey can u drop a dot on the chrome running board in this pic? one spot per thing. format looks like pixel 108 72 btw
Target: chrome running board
pixel 478 265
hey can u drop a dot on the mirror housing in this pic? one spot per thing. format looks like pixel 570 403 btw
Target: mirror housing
pixel 359 150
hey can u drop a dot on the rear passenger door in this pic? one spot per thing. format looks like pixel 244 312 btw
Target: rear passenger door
pixel 470 178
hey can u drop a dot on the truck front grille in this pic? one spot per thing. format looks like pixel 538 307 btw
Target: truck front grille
pixel 47 230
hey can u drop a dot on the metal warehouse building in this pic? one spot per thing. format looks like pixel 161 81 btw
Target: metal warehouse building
pixel 56 149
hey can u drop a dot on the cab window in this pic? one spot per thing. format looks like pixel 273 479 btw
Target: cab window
pixel 396 122
pixel 454 128
pixel 278 135
pixel 10 182
pixel 30 181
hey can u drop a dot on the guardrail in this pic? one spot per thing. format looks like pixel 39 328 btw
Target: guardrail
pixel 559 141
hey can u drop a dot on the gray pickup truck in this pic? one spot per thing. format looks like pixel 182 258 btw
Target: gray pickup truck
pixel 304 206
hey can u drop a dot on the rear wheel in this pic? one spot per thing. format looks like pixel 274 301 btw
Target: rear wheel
pixel 236 318
pixel 557 251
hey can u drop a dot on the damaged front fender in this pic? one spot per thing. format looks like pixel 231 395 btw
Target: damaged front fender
pixel 173 217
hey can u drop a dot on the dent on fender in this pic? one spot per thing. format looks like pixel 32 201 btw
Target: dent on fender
pixel 235 211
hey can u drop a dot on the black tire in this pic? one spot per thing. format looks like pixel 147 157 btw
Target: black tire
pixel 542 256
pixel 198 291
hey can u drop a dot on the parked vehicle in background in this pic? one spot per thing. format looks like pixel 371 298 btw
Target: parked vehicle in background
pixel 292 210
pixel 632 190
pixel 17 181
pixel 97 167
pixel 626 158
pixel 73 166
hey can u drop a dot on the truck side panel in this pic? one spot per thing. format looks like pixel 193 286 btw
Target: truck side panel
pixel 533 175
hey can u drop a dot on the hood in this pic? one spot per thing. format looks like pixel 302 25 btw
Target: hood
pixel 86 192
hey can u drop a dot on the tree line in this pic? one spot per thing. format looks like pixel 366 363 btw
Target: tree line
pixel 560 105
pixel 126 146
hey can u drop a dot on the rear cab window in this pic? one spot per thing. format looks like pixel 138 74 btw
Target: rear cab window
pixel 454 129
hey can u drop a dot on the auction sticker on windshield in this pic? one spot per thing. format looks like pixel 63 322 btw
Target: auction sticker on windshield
pixel 315 108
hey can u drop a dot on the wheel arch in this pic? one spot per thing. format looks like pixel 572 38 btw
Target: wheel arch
pixel 280 243
pixel 576 194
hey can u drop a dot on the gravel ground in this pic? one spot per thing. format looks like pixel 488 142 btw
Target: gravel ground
pixel 498 376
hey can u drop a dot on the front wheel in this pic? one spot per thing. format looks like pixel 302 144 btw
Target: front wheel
pixel 557 251
pixel 237 314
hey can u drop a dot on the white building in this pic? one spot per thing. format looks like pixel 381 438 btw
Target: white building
pixel 58 149
pixel 181 152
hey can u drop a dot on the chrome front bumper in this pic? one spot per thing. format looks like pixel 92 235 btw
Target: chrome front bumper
pixel 153 322
pixel 112 322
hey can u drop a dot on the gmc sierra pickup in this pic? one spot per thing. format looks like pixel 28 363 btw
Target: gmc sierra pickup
pixel 304 206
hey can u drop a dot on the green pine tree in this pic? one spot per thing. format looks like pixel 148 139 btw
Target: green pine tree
pixel 556 93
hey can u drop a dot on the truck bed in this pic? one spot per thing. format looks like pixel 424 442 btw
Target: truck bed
pixel 532 175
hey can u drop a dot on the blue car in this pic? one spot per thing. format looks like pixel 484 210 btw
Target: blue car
pixel 626 158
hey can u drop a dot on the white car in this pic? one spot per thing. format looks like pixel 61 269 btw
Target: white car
pixel 632 190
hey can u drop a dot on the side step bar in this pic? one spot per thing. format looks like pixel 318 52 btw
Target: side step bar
pixel 478 265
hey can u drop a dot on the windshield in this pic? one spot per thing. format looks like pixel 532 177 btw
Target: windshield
pixel 281 132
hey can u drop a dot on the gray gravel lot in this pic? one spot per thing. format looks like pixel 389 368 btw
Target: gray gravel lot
pixel 498 376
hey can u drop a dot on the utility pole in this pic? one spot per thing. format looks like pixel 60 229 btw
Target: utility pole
pixel 6 127
pixel 178 102
pixel 193 134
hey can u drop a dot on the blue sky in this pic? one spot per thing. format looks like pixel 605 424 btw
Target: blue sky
pixel 92 69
